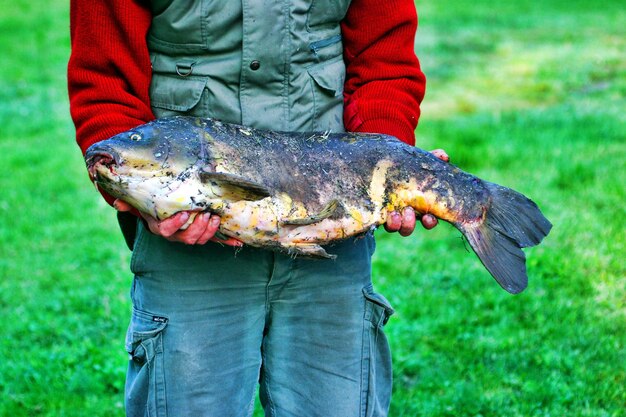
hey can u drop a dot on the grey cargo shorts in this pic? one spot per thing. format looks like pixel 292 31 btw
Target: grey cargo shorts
pixel 210 323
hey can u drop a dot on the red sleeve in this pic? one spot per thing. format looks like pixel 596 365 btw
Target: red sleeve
pixel 384 83
pixel 109 68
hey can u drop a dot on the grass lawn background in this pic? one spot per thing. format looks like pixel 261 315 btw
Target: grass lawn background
pixel 530 95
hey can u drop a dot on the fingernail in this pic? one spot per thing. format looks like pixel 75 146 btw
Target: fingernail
pixel 185 216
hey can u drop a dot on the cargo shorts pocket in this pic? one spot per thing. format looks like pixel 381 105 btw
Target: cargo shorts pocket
pixel 376 369
pixel 145 380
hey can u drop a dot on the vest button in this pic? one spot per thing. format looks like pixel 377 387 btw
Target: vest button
pixel 255 65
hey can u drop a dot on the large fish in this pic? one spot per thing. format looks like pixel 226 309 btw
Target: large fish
pixel 296 192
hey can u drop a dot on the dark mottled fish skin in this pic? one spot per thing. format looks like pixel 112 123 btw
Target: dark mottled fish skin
pixel 295 191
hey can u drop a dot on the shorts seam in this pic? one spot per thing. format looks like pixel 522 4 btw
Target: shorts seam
pixel 365 363
pixel 266 385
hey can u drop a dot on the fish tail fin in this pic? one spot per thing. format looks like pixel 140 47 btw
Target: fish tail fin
pixel 511 222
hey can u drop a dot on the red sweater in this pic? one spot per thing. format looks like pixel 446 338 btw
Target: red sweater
pixel 109 68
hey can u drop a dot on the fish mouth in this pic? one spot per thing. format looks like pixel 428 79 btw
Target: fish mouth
pixel 102 160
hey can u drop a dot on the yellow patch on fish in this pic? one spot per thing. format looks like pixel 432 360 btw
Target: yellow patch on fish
pixel 419 203
pixel 253 219
pixel 208 138
pixel 285 202
pixel 402 196
pixel 356 215
pixel 410 194
pixel 392 203
pixel 378 183
pixel 291 209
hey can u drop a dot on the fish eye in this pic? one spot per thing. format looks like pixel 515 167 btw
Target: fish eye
pixel 135 137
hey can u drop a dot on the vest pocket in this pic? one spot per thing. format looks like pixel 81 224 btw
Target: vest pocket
pixel 327 48
pixel 145 380
pixel 178 24
pixel 326 12
pixel 327 80
pixel 174 94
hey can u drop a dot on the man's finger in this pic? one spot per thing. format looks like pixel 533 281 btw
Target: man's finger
pixel 394 222
pixel 213 223
pixel 231 241
pixel 167 227
pixel 408 221
pixel 429 221
pixel 153 224
pixel 121 205
pixel 212 229
pixel 441 154
pixel 192 234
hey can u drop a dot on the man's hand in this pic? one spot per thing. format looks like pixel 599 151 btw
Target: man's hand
pixel 441 154
pixel 404 223
pixel 201 230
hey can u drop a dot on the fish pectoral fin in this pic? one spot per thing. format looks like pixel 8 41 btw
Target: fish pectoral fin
pixel 309 250
pixel 234 188
pixel 328 210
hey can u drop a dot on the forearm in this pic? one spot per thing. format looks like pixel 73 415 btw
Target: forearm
pixel 384 83
pixel 109 68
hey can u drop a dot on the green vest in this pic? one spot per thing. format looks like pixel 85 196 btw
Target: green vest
pixel 272 64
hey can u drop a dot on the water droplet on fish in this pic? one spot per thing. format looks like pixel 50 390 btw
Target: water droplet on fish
pixel 158 154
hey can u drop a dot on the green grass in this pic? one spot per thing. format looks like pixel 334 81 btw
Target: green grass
pixel 531 96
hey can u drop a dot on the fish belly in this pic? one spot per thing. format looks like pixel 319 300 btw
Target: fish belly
pixel 263 224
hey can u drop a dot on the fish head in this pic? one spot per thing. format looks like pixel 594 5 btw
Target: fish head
pixel 146 164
